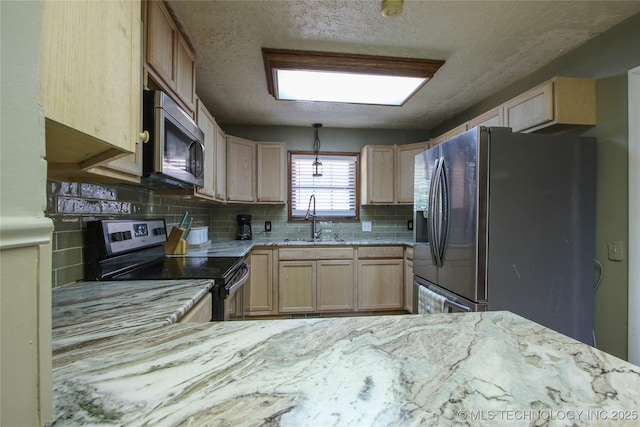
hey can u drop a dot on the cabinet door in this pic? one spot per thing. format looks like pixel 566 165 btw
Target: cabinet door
pixel 408 286
pixel 297 286
pixel 437 140
pixel 207 125
pixel 161 39
pixel 272 172
pixel 185 73
pixel 493 117
pixel 91 97
pixel 405 159
pixel 380 284
pixel 240 169
pixel 220 177
pixel 457 130
pixel 335 281
pixel 531 108
pixel 377 174
pixel 261 282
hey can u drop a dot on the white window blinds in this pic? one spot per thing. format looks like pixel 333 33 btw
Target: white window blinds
pixel 335 190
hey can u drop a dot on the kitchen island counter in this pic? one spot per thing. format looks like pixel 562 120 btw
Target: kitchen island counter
pixel 473 368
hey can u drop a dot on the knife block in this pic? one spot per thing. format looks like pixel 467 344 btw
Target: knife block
pixel 176 244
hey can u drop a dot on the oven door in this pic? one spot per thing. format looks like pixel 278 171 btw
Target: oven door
pixel 236 303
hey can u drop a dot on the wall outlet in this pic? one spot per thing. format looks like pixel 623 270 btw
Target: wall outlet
pixel 410 224
pixel 616 251
pixel 267 226
pixel 366 225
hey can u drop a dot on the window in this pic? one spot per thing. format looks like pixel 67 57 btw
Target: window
pixel 336 195
pixel 340 77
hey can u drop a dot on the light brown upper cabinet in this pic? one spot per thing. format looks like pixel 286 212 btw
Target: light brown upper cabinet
pixel 220 182
pixel 377 174
pixel 559 105
pixel 386 173
pixel 405 163
pixel 168 59
pixel 256 171
pixel 241 166
pixel 493 117
pixel 562 103
pixel 449 134
pixel 271 179
pixel 208 126
pixel 90 86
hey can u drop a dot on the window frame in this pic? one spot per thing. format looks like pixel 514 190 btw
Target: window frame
pixel 290 155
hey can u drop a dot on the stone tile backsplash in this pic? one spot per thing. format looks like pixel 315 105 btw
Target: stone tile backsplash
pixel 70 205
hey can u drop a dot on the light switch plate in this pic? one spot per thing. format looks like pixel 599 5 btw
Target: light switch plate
pixel 616 251
pixel 366 225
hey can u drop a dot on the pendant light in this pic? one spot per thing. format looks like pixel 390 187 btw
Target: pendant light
pixel 317 164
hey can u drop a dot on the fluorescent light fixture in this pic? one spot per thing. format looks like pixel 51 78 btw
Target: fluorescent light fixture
pixel 346 87
pixel 336 77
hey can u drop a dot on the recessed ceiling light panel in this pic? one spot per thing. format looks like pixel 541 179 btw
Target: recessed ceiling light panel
pixel 333 77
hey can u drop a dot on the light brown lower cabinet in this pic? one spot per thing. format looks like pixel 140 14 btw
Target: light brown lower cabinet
pixel 334 281
pixel 309 280
pixel 408 285
pixel 300 280
pixel 380 284
pixel 201 312
pixel 297 286
pixel 261 283
pixel 315 286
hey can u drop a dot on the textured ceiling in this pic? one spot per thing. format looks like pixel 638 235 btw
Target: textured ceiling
pixel 487 45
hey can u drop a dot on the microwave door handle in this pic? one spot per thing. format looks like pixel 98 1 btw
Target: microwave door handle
pixel 196 159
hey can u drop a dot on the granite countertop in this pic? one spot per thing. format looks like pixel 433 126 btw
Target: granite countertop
pixel 89 311
pixel 243 247
pixel 468 369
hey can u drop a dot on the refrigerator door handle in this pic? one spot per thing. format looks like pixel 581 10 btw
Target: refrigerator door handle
pixel 431 212
pixel 445 211
pixel 435 205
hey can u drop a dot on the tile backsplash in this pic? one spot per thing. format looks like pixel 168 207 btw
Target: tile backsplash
pixel 387 222
pixel 70 205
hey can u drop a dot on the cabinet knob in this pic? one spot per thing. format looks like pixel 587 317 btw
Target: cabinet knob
pixel 144 136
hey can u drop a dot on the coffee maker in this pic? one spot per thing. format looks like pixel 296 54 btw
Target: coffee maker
pixel 244 227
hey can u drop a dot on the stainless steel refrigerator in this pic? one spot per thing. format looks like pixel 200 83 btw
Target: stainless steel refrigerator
pixel 505 221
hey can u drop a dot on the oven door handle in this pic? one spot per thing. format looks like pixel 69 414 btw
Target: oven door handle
pixel 234 287
pixel 452 307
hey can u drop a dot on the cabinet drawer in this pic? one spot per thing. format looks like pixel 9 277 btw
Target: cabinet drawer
pixel 315 253
pixel 380 252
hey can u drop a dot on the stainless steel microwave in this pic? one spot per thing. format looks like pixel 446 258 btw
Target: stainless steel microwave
pixel 174 154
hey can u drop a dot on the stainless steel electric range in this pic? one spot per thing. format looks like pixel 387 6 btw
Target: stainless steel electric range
pixel 134 250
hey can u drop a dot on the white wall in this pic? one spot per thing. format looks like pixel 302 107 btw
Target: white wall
pixel 634 217
pixel 25 233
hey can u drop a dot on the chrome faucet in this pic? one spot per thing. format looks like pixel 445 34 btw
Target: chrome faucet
pixel 315 234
